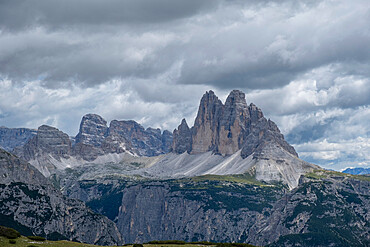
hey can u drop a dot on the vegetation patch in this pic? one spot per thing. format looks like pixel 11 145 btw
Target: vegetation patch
pixel 216 194
pixel 36 238
pixel 9 233
pixel 233 245
pixel 167 242
pixel 137 245
pixel 322 174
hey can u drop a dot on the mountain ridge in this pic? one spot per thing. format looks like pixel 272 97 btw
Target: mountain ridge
pixel 226 138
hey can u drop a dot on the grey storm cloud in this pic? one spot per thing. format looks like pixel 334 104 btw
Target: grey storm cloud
pixel 17 15
pixel 226 44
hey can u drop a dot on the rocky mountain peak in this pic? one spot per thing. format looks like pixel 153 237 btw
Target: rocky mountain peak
pixel 227 128
pixel 255 112
pixel 236 98
pixel 206 123
pixel 182 138
pixel 48 140
pixel 93 130
pixel 48 136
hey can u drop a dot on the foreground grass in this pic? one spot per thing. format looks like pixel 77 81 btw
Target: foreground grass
pixel 25 242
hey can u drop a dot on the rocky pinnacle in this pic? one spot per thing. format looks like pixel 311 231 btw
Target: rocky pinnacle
pixel 226 128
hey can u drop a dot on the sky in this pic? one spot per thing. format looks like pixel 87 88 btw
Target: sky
pixel 306 64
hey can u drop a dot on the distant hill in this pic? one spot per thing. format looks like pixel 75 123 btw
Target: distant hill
pixel 357 171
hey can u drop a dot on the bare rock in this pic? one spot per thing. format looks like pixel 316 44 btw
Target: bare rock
pixel 48 140
pixel 93 130
pixel 11 138
pixel 129 135
pixel 206 125
pixel 226 128
pixel 29 201
pixel 182 138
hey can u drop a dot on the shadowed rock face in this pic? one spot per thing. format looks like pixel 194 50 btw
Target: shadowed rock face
pixel 182 138
pixel 227 128
pixel 206 125
pixel 11 138
pixel 29 201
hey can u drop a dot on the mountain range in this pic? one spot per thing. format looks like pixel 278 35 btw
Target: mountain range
pixel 231 177
pixel 357 171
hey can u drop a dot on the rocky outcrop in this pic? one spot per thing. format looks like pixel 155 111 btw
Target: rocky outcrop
pixel 226 128
pixel 48 140
pixel 93 130
pixel 234 123
pixel 87 152
pixel 182 138
pixel 95 138
pixel 206 125
pixel 167 138
pixel 330 210
pixel 29 203
pixel 131 136
pixel 11 138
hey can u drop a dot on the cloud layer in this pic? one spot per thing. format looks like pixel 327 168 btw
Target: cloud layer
pixel 305 63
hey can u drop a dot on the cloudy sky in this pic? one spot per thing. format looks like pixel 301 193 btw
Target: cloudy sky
pixel 305 63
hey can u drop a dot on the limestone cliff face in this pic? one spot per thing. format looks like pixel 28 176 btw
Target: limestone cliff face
pixel 182 139
pixel 93 130
pixel 167 138
pixel 130 135
pixel 206 125
pixel 95 138
pixel 29 203
pixel 234 124
pixel 328 211
pixel 48 140
pixel 226 128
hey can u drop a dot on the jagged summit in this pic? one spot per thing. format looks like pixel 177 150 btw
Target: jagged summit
pixel 48 140
pixel 243 138
pixel 93 130
pixel 226 128
pixel 183 138
pixel 51 149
